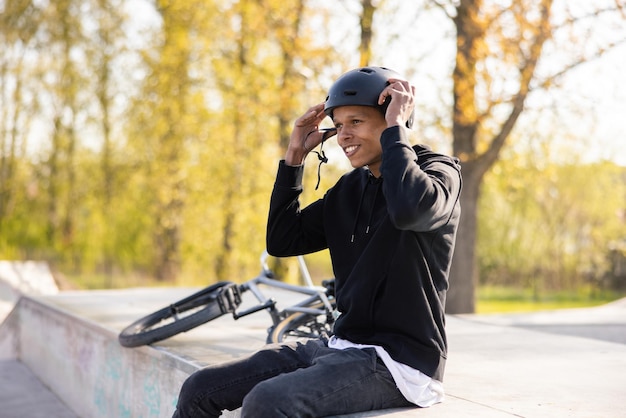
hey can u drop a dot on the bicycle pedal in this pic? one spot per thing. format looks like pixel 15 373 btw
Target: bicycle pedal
pixel 229 298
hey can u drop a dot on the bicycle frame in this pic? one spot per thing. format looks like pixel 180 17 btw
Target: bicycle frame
pixel 314 293
pixel 299 319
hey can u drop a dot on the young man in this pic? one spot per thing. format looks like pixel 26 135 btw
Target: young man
pixel 390 227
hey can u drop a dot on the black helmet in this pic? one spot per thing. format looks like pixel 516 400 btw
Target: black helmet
pixel 361 87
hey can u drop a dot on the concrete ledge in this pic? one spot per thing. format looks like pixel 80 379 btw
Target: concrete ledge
pixel 499 366
pixel 83 364
pixel 9 336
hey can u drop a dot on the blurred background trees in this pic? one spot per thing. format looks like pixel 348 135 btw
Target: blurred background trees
pixel 139 139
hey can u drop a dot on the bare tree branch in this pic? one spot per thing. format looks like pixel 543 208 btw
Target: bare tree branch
pixel 546 82
pixel 443 8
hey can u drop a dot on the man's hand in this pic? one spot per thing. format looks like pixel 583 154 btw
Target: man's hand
pixel 305 135
pixel 402 95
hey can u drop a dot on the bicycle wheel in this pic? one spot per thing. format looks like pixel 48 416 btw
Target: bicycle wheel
pixel 203 306
pixel 300 326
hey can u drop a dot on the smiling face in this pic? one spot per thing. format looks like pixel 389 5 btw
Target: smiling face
pixel 358 134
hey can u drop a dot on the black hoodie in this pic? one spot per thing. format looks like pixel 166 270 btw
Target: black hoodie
pixel 391 241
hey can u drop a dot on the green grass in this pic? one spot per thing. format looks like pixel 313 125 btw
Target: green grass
pixel 101 281
pixel 492 299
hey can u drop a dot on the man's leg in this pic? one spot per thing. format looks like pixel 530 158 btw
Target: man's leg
pixel 338 382
pixel 209 391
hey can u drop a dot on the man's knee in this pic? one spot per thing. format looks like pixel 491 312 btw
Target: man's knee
pixel 263 401
pixel 189 389
pixel 192 394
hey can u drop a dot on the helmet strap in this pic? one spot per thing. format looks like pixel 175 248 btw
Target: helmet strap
pixel 321 156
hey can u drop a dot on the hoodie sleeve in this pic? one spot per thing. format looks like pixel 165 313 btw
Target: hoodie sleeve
pixel 290 230
pixel 420 186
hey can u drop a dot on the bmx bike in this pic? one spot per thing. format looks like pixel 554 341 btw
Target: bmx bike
pixel 311 317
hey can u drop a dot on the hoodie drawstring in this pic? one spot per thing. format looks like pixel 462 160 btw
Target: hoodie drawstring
pixel 377 182
pixel 369 219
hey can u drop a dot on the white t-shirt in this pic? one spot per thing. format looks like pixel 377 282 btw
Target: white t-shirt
pixel 417 388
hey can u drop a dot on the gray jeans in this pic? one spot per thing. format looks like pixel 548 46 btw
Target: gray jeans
pixel 292 380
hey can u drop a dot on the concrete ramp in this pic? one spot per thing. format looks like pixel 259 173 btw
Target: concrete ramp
pixel 28 277
pixel 19 278
pixel 82 363
pixel 72 358
pixel 499 366
pixel 68 344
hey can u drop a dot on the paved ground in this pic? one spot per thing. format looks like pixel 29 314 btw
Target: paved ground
pixel 23 396
pixel 551 364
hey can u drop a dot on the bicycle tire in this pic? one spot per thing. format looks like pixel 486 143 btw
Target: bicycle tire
pixel 300 325
pixel 197 309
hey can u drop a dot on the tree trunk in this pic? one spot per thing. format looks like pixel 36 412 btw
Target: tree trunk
pixel 464 271
pixel 366 21
pixel 170 183
pixel 468 119
pixel 465 123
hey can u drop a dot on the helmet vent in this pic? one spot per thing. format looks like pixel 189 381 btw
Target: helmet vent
pixel 349 93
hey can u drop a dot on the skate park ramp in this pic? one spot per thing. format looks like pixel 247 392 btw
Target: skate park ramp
pixel 59 357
